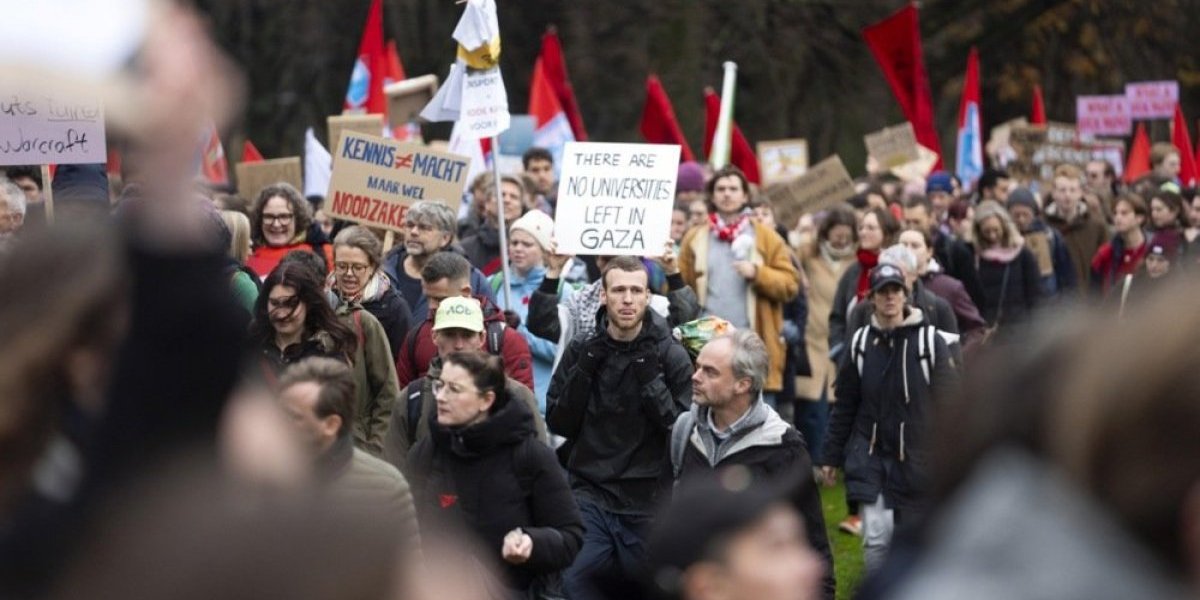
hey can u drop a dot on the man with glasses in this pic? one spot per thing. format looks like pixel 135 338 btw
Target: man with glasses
pixel 457 327
pixel 615 396
pixel 430 228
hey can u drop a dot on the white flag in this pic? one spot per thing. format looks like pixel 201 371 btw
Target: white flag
pixel 318 166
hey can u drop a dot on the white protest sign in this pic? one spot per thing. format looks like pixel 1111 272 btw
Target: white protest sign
pixel 616 198
pixel 1152 99
pixel 44 126
pixel 484 104
pixel 1103 115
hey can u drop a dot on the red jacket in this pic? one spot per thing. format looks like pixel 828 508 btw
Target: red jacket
pixel 1106 274
pixel 413 359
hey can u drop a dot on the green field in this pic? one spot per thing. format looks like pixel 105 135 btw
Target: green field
pixel 847 549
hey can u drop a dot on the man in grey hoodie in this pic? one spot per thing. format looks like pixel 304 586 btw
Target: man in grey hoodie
pixel 729 424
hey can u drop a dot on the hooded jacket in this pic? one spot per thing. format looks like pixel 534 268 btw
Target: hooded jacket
pixel 616 428
pixel 542 351
pixel 877 428
pixel 771 449
pixel 1083 234
pixel 936 310
pixel 418 349
pixel 375 375
pixel 492 477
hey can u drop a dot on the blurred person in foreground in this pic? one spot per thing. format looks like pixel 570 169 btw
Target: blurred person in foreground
pixel 729 535
pixel 1067 474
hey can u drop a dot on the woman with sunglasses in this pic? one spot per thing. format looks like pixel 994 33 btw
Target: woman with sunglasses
pixel 282 221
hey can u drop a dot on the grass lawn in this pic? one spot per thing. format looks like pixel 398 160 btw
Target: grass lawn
pixel 847 549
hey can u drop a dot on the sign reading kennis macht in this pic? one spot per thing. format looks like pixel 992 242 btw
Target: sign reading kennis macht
pixel 616 198
pixel 375 180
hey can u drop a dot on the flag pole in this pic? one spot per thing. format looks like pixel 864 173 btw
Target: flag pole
pixel 503 226
pixel 723 137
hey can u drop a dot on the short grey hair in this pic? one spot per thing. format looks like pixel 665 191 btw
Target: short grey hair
pixel 433 212
pixel 749 359
pixel 13 195
pixel 900 256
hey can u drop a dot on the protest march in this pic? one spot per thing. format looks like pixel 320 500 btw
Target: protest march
pixel 453 346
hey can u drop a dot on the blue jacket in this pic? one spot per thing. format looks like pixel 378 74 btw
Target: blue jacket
pixel 543 351
pixel 393 265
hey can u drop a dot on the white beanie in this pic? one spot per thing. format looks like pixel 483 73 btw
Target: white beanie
pixel 537 224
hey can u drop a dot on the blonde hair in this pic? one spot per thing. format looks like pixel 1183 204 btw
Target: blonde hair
pixel 239 234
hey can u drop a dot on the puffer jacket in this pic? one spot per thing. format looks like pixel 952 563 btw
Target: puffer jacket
pixel 876 432
pixel 616 428
pixel 492 477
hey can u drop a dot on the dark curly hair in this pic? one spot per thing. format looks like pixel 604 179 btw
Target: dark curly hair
pixel 319 316
pixel 302 214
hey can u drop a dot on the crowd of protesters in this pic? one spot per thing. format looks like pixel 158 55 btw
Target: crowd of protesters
pixel 257 400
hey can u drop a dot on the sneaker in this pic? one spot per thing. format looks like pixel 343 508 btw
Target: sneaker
pixel 851 525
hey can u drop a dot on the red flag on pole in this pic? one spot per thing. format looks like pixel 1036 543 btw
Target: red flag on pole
pixel 896 44
pixel 741 155
pixel 395 68
pixel 1038 115
pixel 1138 162
pixel 365 93
pixel 555 70
pixel 250 154
pixel 1183 142
pixel 659 125
pixel 552 129
pixel 213 165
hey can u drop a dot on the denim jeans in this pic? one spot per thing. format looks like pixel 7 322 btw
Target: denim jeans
pixel 614 548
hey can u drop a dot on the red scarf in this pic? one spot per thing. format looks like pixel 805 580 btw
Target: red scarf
pixel 727 233
pixel 867 261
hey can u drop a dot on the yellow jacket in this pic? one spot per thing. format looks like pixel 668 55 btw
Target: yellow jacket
pixel 776 283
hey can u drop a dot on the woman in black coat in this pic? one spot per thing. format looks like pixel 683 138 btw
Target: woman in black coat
pixel 483 470
pixel 1007 269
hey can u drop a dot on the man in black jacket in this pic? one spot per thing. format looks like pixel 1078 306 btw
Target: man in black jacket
pixel 954 255
pixel 614 397
pixel 729 424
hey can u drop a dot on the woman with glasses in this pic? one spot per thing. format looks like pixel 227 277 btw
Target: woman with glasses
pixel 483 471
pixel 282 221
pixel 294 321
pixel 358 281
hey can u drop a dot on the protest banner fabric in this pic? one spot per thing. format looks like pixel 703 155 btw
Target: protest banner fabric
pixel 616 198
pixel 253 176
pixel 375 179
pixel 38 127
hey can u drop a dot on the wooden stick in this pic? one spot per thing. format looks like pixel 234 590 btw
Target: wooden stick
pixel 389 239
pixel 48 194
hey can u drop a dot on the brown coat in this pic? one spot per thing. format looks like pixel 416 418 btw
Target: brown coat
pixel 1083 235
pixel 776 283
pixel 823 277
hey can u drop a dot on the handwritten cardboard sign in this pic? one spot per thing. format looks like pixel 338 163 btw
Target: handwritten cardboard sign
pixel 1152 99
pixel 1103 115
pixel 406 98
pixel 893 146
pixel 1039 149
pixel 782 160
pixel 824 184
pixel 43 126
pixel 368 124
pixel 375 179
pixel 253 177
pixel 616 198
pixel 484 104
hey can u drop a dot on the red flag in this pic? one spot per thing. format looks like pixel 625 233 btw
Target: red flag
pixel 968 162
pixel 659 125
pixel 896 44
pixel 365 93
pixel 1183 142
pixel 551 128
pixel 250 154
pixel 740 155
pixel 555 70
pixel 1038 115
pixel 395 68
pixel 113 162
pixel 1138 162
pixel 213 165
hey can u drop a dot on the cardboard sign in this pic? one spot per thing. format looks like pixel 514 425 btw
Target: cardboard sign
pixel 1152 99
pixel 368 124
pixel 782 160
pixel 823 185
pixel 1039 149
pixel 406 98
pixel 43 126
pixel 1103 115
pixel 253 177
pixel 616 198
pixel 375 179
pixel 893 146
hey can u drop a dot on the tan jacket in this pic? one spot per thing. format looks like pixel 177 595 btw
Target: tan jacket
pixel 823 278
pixel 776 283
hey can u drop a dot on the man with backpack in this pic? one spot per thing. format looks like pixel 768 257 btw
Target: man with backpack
pixel 730 425
pixel 898 367
pixel 447 275
pixel 458 325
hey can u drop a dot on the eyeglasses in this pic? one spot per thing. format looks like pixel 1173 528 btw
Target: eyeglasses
pixel 358 269
pixel 282 219
pixel 453 388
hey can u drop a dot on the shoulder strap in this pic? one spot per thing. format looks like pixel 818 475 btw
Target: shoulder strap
pixel 410 347
pixel 358 328
pixel 495 336
pixel 927 350
pixel 413 408
pixel 679 436
pixel 858 347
